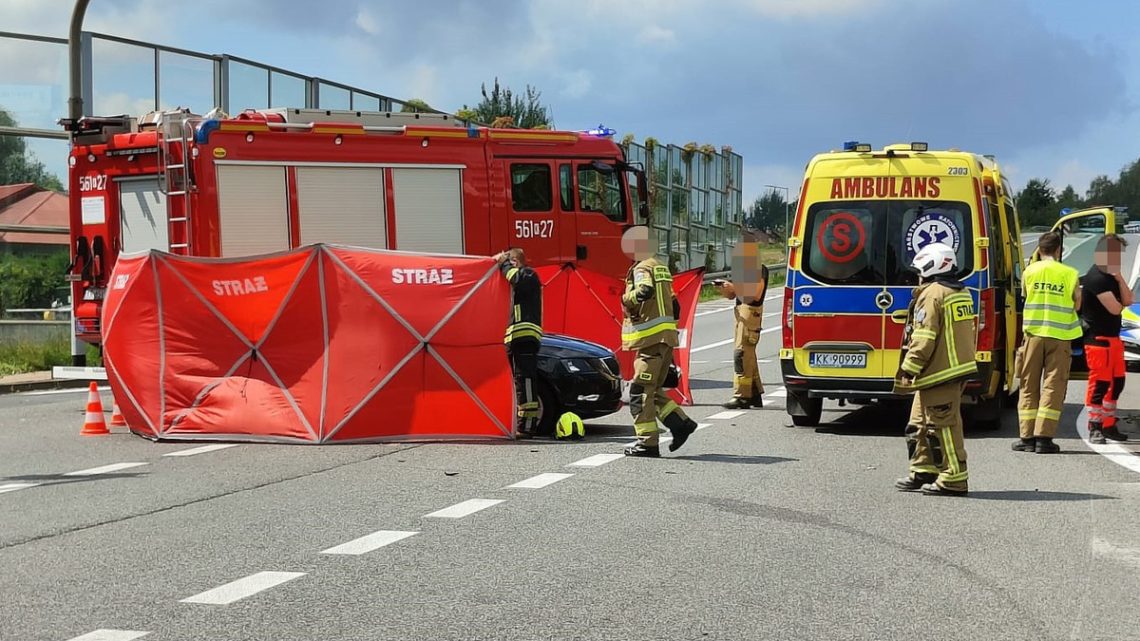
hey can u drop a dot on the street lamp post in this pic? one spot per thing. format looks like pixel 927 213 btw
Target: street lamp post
pixel 787 206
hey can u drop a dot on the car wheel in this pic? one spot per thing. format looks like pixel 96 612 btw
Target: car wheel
pixel 549 409
pixel 813 408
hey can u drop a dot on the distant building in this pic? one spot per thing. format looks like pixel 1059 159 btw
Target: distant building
pixel 27 204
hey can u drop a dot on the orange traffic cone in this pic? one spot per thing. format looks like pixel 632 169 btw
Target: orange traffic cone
pixel 117 419
pixel 94 424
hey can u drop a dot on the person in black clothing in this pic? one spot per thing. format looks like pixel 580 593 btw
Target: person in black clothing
pixel 1104 296
pixel 524 333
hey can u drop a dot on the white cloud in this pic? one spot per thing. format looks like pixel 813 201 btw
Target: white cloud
pixel 367 22
pixel 810 8
pixel 656 34
pixel 758 176
pixel 576 84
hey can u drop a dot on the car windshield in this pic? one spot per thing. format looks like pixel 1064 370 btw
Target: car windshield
pixel 873 242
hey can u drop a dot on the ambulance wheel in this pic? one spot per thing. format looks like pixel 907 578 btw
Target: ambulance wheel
pixel 813 408
pixel 548 410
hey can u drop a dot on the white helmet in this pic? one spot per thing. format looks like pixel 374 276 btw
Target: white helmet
pixel 935 259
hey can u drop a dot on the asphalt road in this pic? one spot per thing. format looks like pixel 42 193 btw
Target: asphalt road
pixel 753 530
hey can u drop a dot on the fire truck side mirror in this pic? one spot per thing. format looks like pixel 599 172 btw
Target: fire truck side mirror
pixel 602 167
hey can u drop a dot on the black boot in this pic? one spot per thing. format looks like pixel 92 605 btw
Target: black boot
pixel 1095 434
pixel 1046 445
pixel 934 489
pixel 915 482
pixel 642 451
pixel 1025 445
pixel 682 434
pixel 737 403
pixel 1113 434
pixel 757 401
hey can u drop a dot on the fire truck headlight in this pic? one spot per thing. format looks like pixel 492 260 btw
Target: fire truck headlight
pixel 424 143
pixel 90 157
pixel 71 161
pixel 338 140
pixel 249 137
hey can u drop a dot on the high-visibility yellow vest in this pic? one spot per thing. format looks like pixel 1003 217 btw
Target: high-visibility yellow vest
pixel 1049 308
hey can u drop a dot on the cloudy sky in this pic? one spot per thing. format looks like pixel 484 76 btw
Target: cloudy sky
pixel 1049 86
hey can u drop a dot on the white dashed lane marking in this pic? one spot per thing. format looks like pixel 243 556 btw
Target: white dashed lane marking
pixel 106 469
pixel 466 508
pixel 366 544
pixel 596 460
pixel 540 481
pixel 12 487
pixel 201 450
pixel 724 416
pixel 242 588
pixel 51 392
pixel 110 635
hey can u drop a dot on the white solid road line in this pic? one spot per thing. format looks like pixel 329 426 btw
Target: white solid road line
pixel 201 450
pixel 243 588
pixel 466 508
pixel 106 469
pixel 728 414
pixel 110 635
pixel 596 460
pixel 12 487
pixel 711 346
pixel 370 542
pixel 540 481
pixel 1107 550
pixel 1114 452
pixel 778 393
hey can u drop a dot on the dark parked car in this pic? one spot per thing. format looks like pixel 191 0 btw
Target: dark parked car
pixel 576 376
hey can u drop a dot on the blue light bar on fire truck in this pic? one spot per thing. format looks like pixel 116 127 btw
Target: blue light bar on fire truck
pixel 861 147
pixel 602 132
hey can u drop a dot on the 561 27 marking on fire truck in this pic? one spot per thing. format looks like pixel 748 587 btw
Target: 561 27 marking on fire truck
pixel 93 183
pixel 534 228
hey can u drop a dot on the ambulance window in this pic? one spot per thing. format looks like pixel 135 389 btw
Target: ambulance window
pixel 530 188
pixel 1079 238
pixel 917 223
pixel 600 192
pixel 566 186
pixel 840 243
pixel 998 269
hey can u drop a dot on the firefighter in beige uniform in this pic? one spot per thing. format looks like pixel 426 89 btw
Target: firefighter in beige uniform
pixel 938 356
pixel 650 327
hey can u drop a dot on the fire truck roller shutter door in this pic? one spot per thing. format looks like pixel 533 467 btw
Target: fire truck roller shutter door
pixel 429 210
pixel 142 216
pixel 342 205
pixel 253 210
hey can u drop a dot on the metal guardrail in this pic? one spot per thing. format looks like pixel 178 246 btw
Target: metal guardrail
pixel 711 276
pixel 34 229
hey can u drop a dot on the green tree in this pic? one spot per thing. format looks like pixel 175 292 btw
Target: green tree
pixel 525 111
pixel 1035 203
pixel 18 165
pixel 1067 199
pixel 1100 191
pixel 768 211
pixel 415 105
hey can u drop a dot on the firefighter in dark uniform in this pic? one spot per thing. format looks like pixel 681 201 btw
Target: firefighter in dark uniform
pixel 938 355
pixel 524 333
pixel 651 312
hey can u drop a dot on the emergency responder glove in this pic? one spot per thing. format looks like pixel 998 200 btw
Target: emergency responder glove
pixel 643 294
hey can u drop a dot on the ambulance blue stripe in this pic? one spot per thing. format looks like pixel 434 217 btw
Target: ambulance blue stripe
pixel 837 299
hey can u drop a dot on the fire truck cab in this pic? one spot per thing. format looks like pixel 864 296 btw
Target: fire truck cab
pixel 272 180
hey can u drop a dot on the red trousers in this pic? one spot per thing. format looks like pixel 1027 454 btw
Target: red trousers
pixel 1106 379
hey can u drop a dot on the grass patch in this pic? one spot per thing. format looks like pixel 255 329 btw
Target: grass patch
pixel 21 358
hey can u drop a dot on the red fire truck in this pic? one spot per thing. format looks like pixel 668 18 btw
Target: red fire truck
pixel 272 180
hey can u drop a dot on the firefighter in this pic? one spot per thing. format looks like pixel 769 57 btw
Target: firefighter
pixel 1052 298
pixel 1104 298
pixel 651 312
pixel 747 388
pixel 938 355
pixel 524 333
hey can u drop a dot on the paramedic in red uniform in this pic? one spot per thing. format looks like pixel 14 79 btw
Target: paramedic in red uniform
pixel 1104 296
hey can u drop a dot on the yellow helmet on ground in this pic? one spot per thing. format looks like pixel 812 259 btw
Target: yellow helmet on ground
pixel 569 427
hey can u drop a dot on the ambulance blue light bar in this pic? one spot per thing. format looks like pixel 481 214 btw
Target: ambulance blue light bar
pixel 1066 211
pixel 861 147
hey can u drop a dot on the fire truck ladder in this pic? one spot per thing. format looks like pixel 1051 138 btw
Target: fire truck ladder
pixel 176 128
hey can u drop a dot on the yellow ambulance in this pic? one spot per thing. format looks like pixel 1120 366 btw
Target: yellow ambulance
pixel 862 216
